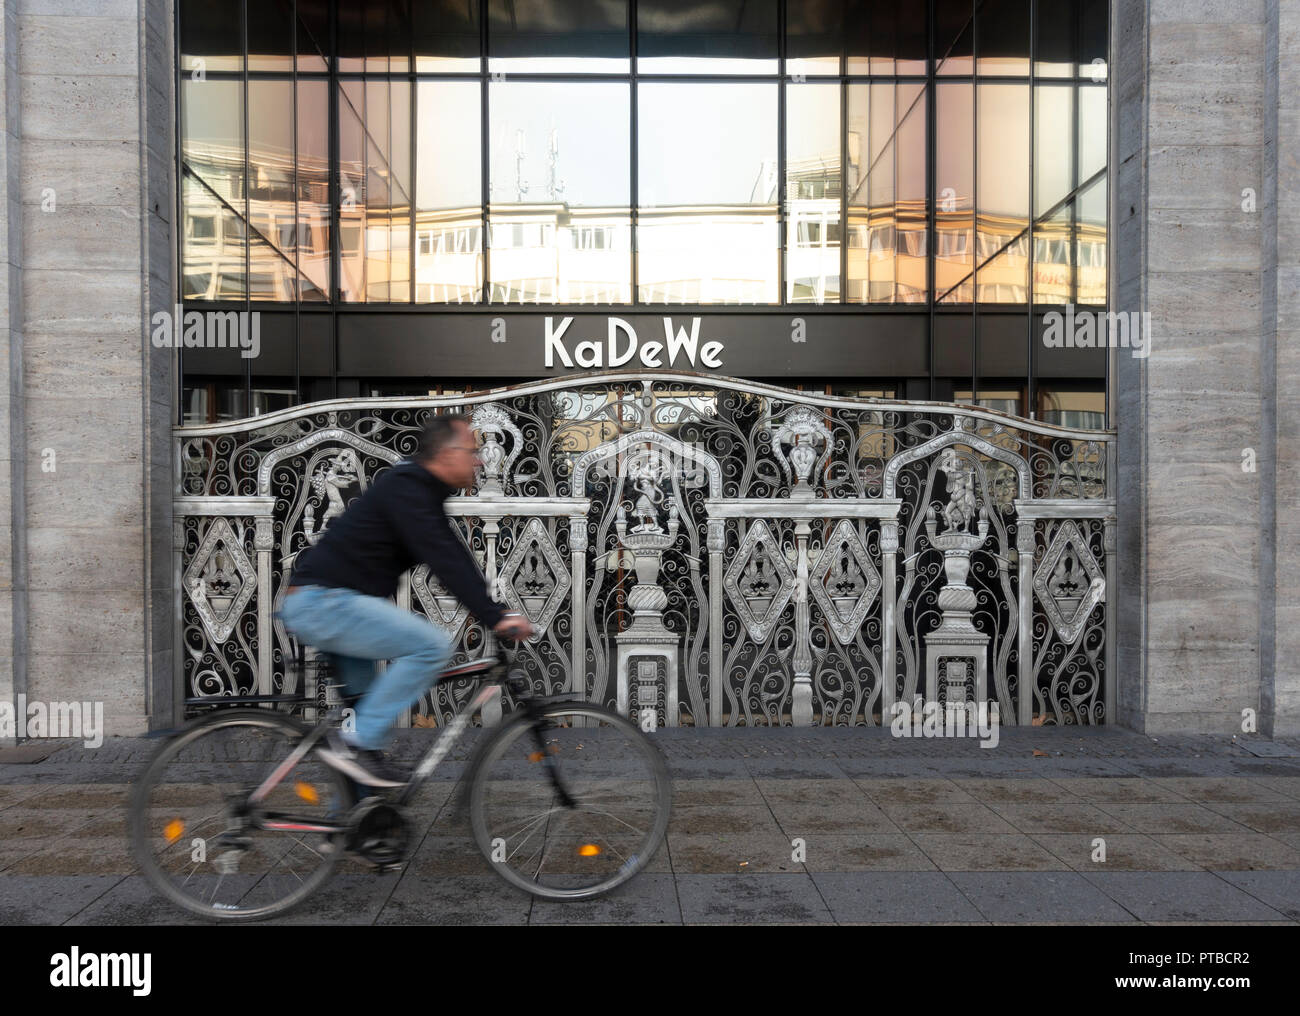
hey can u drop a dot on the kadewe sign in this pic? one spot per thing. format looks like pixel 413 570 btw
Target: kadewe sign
pixel 681 348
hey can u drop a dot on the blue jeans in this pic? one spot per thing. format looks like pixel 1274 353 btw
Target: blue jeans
pixel 357 629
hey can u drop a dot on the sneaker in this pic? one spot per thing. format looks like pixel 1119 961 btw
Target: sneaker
pixel 364 765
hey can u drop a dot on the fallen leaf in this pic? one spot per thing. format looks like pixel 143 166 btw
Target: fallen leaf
pixel 1040 754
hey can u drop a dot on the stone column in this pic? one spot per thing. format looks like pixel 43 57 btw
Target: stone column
pixel 1190 157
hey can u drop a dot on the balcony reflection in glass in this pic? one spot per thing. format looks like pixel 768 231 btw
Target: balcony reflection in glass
pixel 559 192
pixel 707 220
pixel 1001 238
pixel 313 191
pixel 374 189
pixel 886 254
pixel 448 189
pixel 813 188
pixel 212 189
pixel 954 186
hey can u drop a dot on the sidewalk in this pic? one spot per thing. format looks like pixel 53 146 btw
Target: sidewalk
pixel 1196 829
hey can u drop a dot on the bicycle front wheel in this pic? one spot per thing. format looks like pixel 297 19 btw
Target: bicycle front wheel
pixel 571 804
pixel 207 843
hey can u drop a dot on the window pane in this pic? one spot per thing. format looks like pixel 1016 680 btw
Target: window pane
pixel 313 35
pixel 352 189
pixel 449 193
pixel 313 190
pixel 211 36
pixel 1092 131
pixel 1053 145
pixel 1054 257
pixel 814 36
pixel 1002 242
pixel 886 198
pixel 374 190
pixel 1079 409
pixel 446 35
pixel 1003 36
pixel 212 161
pixel 708 185
pixel 813 184
pixel 563 36
pixel 953 186
pixel 886 36
pixel 559 192
pixel 1056 22
pixel 374 35
pixel 272 216
pixel 954 36
pixel 270 35
pixel 720 37
pixel 1094 30
pixel 1090 248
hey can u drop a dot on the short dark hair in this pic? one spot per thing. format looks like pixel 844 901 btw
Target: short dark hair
pixel 438 430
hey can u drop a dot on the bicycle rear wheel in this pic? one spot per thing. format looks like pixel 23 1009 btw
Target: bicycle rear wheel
pixel 206 845
pixel 612 823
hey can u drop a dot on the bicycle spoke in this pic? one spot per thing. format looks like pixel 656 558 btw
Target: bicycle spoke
pixel 244 869
pixel 615 819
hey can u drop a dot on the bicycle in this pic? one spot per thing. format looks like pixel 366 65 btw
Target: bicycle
pixel 263 844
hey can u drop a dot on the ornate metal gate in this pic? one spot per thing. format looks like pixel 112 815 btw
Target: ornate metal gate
pixel 723 552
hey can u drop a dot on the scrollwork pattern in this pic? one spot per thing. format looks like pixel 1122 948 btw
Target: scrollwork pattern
pixel 737 452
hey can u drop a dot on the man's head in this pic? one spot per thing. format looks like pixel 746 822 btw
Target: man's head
pixel 448 450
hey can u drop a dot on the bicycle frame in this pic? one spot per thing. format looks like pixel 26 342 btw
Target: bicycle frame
pixel 438 751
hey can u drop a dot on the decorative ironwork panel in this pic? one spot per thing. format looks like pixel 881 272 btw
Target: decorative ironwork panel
pixel 731 552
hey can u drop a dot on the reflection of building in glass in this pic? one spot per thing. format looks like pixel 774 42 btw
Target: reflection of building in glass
pixel 813 233
pixel 551 253
pixel 279 233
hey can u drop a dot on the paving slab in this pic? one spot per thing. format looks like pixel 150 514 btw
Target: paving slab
pixel 1181 896
pixel 455 899
pixel 49 899
pixel 647 899
pixel 1277 889
pixel 1038 897
pixel 1123 851
pixel 751 898
pixel 917 897
pixel 1232 851
pixel 986 852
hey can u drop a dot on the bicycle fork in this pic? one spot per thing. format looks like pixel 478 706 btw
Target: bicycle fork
pixel 552 770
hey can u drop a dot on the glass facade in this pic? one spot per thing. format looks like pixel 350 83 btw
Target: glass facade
pixel 943 158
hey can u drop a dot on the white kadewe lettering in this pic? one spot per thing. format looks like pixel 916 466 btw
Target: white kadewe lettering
pixel 622 345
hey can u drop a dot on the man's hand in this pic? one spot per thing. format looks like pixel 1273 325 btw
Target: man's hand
pixel 515 626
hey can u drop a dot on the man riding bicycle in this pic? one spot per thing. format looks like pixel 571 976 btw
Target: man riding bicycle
pixel 338 594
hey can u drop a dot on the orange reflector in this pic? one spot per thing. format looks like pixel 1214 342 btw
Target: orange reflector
pixel 307 792
pixel 535 756
pixel 589 850
pixel 173 829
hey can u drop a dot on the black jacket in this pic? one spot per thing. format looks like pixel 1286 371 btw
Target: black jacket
pixel 396 524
